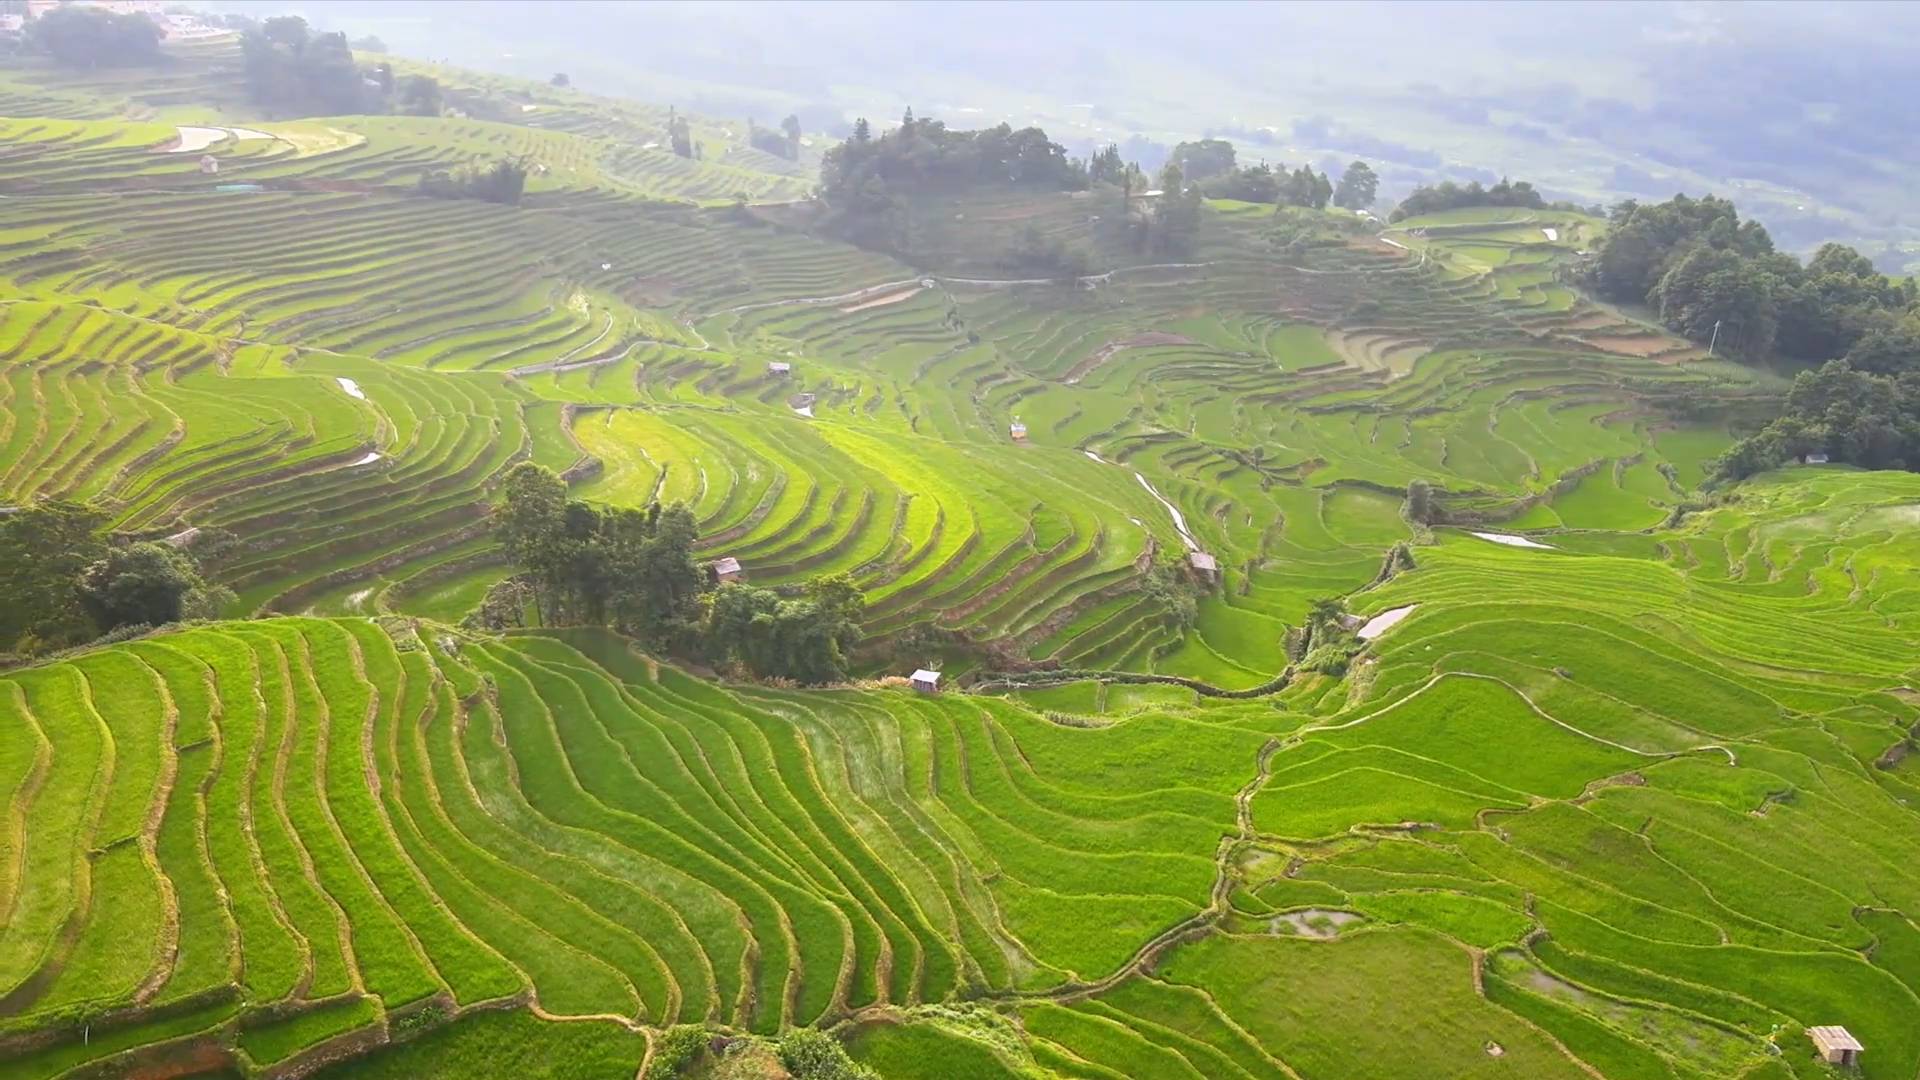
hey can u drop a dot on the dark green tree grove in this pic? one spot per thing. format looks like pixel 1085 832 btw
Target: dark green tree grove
pixel 43 549
pixel 634 570
pixel 1204 159
pixel 148 584
pixel 92 37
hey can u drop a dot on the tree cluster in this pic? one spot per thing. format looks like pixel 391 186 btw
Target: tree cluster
pixel 924 155
pixel 503 181
pixel 1851 414
pixel 1701 267
pixel 634 570
pixel 804 638
pixel 93 37
pixel 63 580
pixel 1203 160
pixel 784 142
pixel 1448 195
pixel 629 569
pixel 290 68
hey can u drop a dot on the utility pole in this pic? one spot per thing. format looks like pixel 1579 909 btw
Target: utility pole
pixel 1716 337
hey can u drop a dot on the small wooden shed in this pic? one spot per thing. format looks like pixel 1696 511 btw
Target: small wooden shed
pixel 1815 458
pixel 1836 1045
pixel 727 569
pixel 779 369
pixel 1018 430
pixel 926 681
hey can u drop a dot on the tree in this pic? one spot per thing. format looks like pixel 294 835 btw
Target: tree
pixel 679 134
pixel 791 128
pixel 1448 195
pixel 528 521
pixel 1358 187
pixel 1106 167
pixel 503 181
pixel 1203 159
pixel 92 37
pixel 560 79
pixel 148 584
pixel 631 569
pixel 43 549
pixel 1176 218
pixel 1887 351
pixel 293 70
pixel 368 44
pixel 1858 417
pixel 420 96
pixel 1714 287
pixel 288 30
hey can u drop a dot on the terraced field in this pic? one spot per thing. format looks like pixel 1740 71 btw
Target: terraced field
pixel 1611 777
pixel 1610 804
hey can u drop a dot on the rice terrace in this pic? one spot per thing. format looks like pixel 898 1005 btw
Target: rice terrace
pixel 503 581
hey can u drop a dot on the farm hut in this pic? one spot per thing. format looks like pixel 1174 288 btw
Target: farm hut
pixel 209 164
pixel 1018 430
pixel 779 369
pixel 725 570
pixel 1836 1045
pixel 1204 566
pixel 1815 458
pixel 926 681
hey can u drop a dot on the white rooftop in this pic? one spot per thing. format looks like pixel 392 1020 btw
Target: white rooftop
pixel 728 565
pixel 926 676
pixel 1203 561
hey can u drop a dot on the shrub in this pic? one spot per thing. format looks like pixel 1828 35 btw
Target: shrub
pixel 810 1054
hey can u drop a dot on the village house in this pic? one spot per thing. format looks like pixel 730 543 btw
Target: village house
pixel 1836 1045
pixel 725 570
pixel 1204 566
pixel 926 681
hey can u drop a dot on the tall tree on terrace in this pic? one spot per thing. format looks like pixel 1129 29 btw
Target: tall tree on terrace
pixel 1358 187
pixel 528 524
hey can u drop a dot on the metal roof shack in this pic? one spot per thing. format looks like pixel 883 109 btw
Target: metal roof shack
pixel 1836 1045
pixel 926 681
pixel 779 367
pixel 727 569
pixel 1018 430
